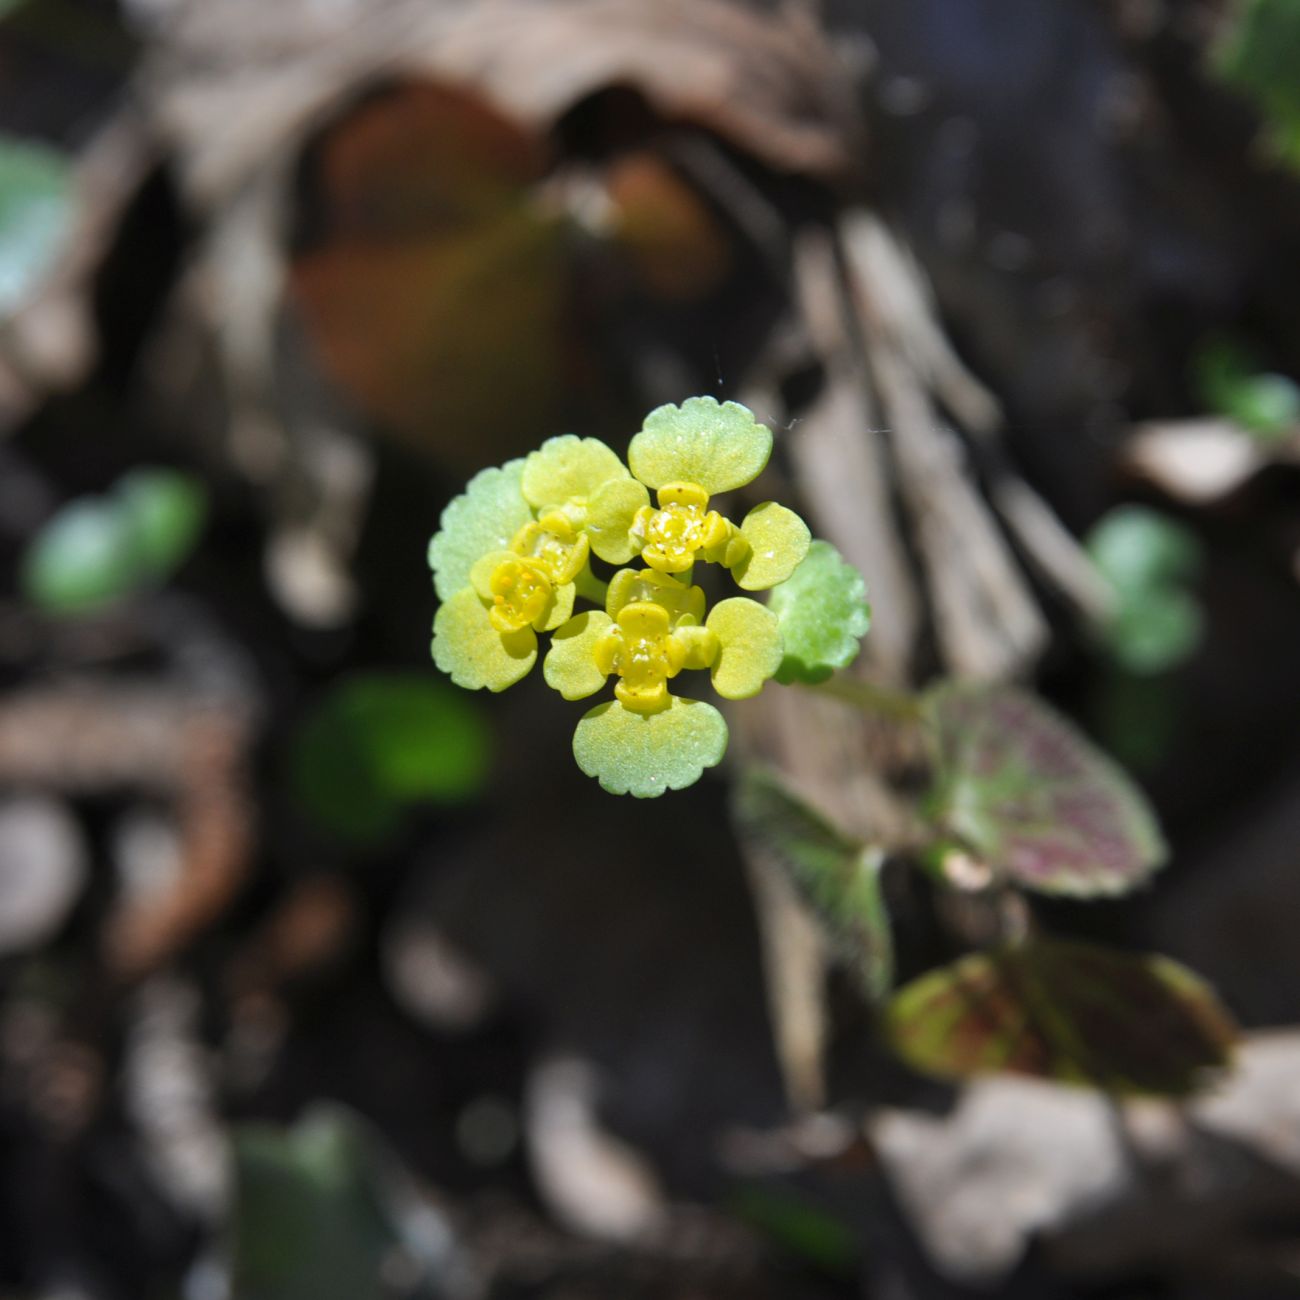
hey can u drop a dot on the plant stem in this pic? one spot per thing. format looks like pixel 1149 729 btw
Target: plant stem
pixel 883 701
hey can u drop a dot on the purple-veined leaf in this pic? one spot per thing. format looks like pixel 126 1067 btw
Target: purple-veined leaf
pixel 1033 798
pixel 1127 1023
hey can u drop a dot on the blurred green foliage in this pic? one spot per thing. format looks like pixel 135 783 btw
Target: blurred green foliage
pixel 1150 562
pixel 1231 382
pixel 99 549
pixel 1259 54
pixel 323 1211
pixel 35 214
pixel 380 744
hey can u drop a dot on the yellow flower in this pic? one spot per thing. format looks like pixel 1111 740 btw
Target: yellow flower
pixel 689 454
pixel 652 628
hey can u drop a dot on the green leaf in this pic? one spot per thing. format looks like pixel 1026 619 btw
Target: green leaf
pixel 379 745
pixel 1148 560
pixel 1232 382
pixel 1071 1012
pixel 823 613
pixel 99 549
pixel 1033 798
pixel 838 876
pixel 323 1209
pixel 644 754
pixel 718 446
pixel 35 216
pixel 483 518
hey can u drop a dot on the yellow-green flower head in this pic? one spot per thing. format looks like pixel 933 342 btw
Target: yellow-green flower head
pixel 688 454
pixel 510 554
pixel 653 627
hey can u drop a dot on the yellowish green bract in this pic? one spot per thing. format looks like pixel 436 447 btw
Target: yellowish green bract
pixel 513 555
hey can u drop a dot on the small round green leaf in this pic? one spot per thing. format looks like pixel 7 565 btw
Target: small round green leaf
pixel 1071 1012
pixel 1032 798
pixel 379 744
pixel 823 613
pixel 777 542
pixel 485 517
pixel 645 754
pixel 720 446
pixel 472 652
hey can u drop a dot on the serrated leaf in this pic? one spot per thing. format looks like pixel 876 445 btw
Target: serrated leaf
pixel 323 1209
pixel 378 745
pixel 823 613
pixel 1070 1012
pixel 1033 798
pixel 35 215
pixel 838 876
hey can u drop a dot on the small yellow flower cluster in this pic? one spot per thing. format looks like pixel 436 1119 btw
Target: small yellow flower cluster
pixel 514 552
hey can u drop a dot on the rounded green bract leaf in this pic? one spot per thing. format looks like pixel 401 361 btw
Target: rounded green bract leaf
pixel 610 514
pixel 570 664
pixel 644 754
pixel 824 614
pixel 483 518
pixel 778 541
pixel 569 468
pixel 472 652
pixel 720 446
pixel 749 646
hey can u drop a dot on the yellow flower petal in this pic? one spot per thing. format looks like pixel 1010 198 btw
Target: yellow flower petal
pixel 778 540
pixel 570 665
pixel 483 518
pixel 679 599
pixel 749 646
pixel 610 514
pixel 560 608
pixel 718 446
pixel 472 652
pixel 644 754
pixel 569 468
